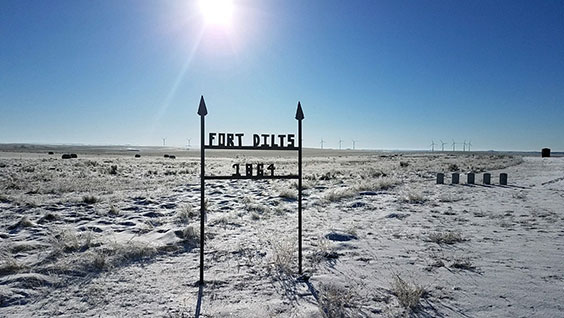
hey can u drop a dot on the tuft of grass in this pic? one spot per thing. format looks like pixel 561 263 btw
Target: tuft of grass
pixel 414 197
pixel 328 176
pixel 255 216
pixel 22 223
pixel 325 251
pixel 288 194
pixel 381 183
pixel 133 251
pixel 107 257
pixel 98 261
pixel 408 294
pixel 184 215
pixel 282 259
pixel 68 241
pixel 114 211
pixel 137 251
pixel 520 195
pixel 450 198
pixel 25 222
pixel 49 217
pixel 191 235
pixel 448 237
pixel 89 199
pixel 463 264
pixel 337 194
pixel 170 172
pixel 253 206
pixel 334 300
pixel 9 265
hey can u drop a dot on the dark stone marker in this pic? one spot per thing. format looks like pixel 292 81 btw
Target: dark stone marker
pixel 137 156
pixel 166 156
pixel 487 178
pixel 440 178
pixel 51 153
pixel 455 178
pixel 66 156
pixel 545 153
pixel 471 178
pixel 73 155
pixel 503 178
pixel 172 157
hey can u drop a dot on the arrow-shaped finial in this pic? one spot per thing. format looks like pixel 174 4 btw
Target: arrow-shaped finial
pixel 299 112
pixel 202 110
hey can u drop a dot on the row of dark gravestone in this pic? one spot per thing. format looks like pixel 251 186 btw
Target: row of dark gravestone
pixel 471 178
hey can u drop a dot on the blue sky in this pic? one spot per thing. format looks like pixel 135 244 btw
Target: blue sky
pixel 390 74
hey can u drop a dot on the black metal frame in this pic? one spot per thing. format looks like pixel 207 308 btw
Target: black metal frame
pixel 202 111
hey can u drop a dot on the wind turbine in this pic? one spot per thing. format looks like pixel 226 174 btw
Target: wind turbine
pixel 433 145
pixel 453 145
pixel 340 143
pixel 469 144
pixel 188 145
pixel 443 145
pixel 164 142
pixel 322 142
pixel 354 144
pixel 464 146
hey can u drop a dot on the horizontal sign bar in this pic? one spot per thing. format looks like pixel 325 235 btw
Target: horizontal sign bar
pixel 290 176
pixel 251 148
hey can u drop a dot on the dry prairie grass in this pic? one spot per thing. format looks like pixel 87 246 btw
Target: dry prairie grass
pixel 283 258
pixel 336 301
pixel 408 294
pixel 448 237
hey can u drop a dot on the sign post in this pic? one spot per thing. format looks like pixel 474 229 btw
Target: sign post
pixel 299 117
pixel 234 141
pixel 202 111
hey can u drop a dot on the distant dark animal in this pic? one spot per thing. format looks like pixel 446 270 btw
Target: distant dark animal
pixel 51 153
pixel 73 155
pixel 166 156
pixel 137 156
pixel 172 157
pixel 66 156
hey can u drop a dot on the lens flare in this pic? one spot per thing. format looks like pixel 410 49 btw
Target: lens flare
pixel 217 12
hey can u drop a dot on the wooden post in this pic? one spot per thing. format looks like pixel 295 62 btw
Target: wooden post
pixel 202 111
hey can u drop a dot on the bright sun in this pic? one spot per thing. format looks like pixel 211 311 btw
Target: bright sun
pixel 217 12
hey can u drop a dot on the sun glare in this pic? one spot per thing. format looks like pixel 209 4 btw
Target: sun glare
pixel 217 12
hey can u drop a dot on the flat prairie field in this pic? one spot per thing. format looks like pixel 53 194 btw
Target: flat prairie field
pixel 107 234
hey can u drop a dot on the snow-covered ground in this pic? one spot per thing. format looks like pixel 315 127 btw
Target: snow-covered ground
pixel 80 237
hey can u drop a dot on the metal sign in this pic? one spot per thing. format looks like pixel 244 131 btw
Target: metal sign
pixel 234 141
